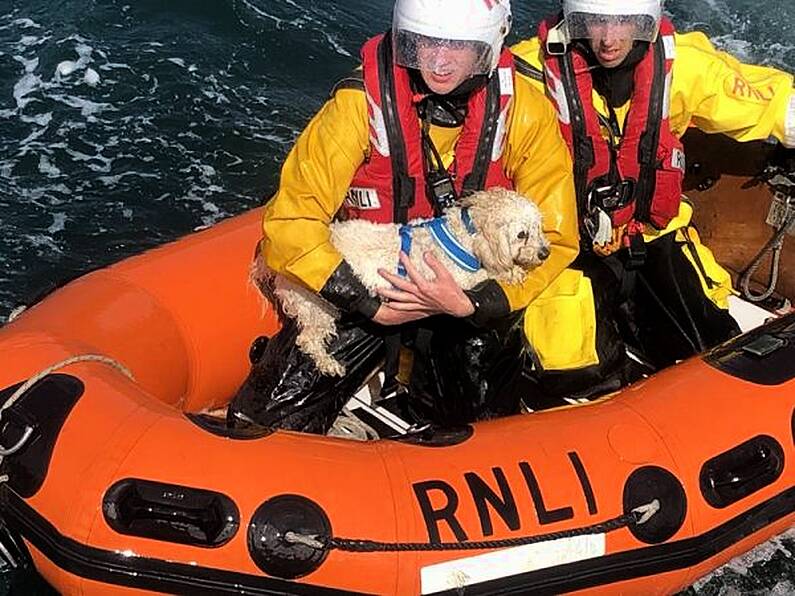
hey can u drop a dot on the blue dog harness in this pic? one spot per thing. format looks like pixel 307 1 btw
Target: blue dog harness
pixel 440 232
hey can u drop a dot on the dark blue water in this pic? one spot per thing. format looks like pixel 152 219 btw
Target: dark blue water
pixel 124 125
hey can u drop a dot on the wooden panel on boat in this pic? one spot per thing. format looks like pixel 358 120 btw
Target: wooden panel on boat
pixel 730 216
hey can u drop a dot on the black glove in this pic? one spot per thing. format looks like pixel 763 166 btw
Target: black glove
pixel 345 291
pixel 490 303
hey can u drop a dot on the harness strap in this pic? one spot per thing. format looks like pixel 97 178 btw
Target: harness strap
pixel 440 231
pixel 476 180
pixel 405 246
pixel 402 184
pixel 650 139
pixel 355 81
pixel 466 218
pixel 451 246
pixel 523 67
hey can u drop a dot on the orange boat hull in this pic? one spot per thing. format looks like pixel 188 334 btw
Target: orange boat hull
pixel 121 475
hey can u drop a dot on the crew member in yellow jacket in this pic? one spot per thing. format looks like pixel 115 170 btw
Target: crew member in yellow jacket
pixel 438 112
pixel 626 87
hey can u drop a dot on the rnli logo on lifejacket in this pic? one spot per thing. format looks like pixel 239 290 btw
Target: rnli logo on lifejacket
pixel 678 159
pixel 362 198
pixel 488 494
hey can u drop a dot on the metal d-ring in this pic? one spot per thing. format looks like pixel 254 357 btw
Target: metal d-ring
pixel 5 452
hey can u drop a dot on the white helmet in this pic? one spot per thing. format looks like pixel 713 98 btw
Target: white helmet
pixel 479 24
pixel 584 17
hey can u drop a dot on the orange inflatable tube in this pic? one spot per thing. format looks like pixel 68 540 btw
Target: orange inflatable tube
pixel 124 484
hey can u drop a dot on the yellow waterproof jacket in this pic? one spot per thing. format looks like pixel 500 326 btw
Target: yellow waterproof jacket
pixel 712 91
pixel 319 168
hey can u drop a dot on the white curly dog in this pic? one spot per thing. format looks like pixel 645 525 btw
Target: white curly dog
pixel 494 233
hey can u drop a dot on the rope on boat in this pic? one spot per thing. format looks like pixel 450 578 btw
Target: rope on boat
pixel 638 516
pixel 22 389
pixel 775 244
pixel 783 186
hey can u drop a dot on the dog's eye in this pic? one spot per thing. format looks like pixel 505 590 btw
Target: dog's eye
pixel 522 236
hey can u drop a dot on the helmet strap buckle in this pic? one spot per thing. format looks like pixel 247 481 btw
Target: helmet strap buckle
pixel 558 40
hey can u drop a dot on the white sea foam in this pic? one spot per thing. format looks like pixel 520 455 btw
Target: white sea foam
pixel 65 68
pixel 335 44
pixel 28 140
pixel 115 66
pixel 47 167
pixel 83 50
pixel 25 23
pixel 61 188
pixel 261 13
pixel 31 40
pixel 113 180
pixel 7 168
pixel 91 77
pixel 744 563
pixel 207 171
pixel 41 241
pixel 58 223
pixel 39 119
pixel 786 588
pixel 24 87
pixel 87 159
pixel 87 107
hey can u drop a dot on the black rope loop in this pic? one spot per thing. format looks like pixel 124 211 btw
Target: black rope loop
pixel 637 516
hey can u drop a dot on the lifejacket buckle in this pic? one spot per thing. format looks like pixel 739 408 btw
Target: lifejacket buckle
pixel 636 250
pixel 613 196
pixel 557 40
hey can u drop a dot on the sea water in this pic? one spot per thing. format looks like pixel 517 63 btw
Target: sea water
pixel 126 124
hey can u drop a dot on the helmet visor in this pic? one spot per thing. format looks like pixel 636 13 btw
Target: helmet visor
pixel 584 25
pixel 441 56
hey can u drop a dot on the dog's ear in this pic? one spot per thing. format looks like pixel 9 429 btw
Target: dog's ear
pixel 493 245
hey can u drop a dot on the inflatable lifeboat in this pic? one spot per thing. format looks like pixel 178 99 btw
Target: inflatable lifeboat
pixel 118 478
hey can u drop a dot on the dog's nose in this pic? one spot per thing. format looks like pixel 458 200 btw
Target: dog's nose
pixel 543 253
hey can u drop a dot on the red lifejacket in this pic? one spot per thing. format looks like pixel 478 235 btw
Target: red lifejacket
pixel 390 185
pixel 648 166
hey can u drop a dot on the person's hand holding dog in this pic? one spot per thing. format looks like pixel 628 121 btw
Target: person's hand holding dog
pixel 415 297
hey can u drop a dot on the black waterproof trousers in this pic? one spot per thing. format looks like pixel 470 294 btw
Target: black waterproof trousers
pixel 460 373
pixel 656 308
